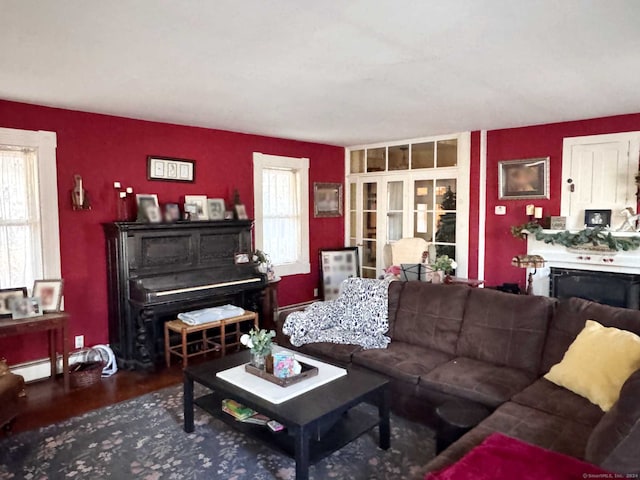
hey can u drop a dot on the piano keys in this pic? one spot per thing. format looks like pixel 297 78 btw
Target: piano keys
pixel 156 271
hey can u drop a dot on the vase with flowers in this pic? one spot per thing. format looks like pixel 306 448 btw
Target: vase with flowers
pixel 260 342
pixel 442 266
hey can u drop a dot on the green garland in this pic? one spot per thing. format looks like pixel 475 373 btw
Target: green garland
pixel 589 236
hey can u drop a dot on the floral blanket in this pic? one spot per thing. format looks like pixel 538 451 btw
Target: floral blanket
pixel 359 316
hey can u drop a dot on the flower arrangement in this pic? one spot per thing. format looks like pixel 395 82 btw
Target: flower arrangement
pixel 259 341
pixel 260 257
pixel 445 264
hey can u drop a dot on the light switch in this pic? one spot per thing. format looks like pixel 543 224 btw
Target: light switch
pixel 501 210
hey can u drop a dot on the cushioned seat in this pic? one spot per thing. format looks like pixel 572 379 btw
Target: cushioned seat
pixel 476 380
pixel 524 423
pixel 550 398
pixel 402 361
pixel 331 351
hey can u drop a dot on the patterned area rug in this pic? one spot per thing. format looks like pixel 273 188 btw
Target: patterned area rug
pixel 143 438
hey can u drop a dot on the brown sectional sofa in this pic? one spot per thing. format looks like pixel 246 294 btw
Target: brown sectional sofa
pixel 493 348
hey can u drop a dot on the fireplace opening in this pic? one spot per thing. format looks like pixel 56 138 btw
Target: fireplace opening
pixel 615 289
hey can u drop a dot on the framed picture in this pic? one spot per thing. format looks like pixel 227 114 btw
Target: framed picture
pixel 241 212
pixel 169 169
pixel 26 307
pixel 327 200
pixel 597 218
pixel 50 294
pixel 558 223
pixel 145 202
pixel 7 296
pixel 240 258
pixel 200 201
pixel 335 267
pixel 172 212
pixel 190 211
pixel 520 179
pixel 216 208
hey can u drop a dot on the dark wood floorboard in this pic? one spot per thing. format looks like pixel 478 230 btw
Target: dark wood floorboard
pixel 48 403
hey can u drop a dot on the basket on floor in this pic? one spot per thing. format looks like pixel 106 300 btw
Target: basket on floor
pixel 87 372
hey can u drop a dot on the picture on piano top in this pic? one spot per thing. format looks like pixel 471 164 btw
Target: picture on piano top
pixel 148 207
pixel 200 201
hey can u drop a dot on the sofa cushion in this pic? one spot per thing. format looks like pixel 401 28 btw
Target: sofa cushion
pixel 615 442
pixel 524 423
pixel 340 353
pixel 598 363
pixel 569 320
pixel 402 361
pixel 550 398
pixel 505 329
pixel 476 380
pixel 430 315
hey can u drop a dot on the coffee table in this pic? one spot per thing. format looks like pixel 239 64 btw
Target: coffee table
pixel 318 422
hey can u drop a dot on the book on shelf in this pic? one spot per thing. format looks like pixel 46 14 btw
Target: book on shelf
pixel 237 410
pixel 257 419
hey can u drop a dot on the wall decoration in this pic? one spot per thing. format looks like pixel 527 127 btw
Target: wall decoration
pixel 202 212
pixel 630 222
pixel 327 200
pixel 7 296
pixel 337 265
pixel 50 294
pixel 169 169
pixel 79 196
pixel 26 307
pixel 593 238
pixel 147 204
pixel 597 218
pixel 520 179
pixel 216 208
pixel 558 223
pixel 241 212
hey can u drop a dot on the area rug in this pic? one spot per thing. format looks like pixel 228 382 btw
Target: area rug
pixel 143 438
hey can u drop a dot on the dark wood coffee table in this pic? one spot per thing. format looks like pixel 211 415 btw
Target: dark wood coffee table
pixel 318 422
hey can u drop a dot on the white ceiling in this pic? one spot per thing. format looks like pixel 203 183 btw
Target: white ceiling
pixel 343 72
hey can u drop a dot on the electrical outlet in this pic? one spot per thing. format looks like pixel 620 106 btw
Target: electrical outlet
pixel 79 341
pixel 315 292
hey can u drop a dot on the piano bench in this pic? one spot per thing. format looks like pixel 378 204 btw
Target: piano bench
pixel 208 343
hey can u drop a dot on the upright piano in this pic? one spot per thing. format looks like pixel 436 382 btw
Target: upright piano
pixel 156 271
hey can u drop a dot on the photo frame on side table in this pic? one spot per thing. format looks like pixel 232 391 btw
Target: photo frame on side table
pixel 167 169
pixel 336 265
pixel 7 296
pixel 50 294
pixel 327 200
pixel 523 179
pixel 26 307
pixel 597 218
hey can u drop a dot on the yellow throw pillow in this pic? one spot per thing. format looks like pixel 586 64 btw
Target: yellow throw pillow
pixel 597 363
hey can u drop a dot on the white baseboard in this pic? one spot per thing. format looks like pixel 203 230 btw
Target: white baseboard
pixel 41 369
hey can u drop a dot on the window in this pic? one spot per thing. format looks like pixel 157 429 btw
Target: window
pixel 281 190
pixel 29 236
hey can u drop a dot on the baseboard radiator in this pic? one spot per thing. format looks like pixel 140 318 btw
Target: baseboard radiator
pixel 41 369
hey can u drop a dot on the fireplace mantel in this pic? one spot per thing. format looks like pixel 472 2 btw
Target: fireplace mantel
pixel 559 256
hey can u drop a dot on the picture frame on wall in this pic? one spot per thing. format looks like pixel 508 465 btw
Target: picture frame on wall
pixel 327 200
pixel 50 294
pixel 7 296
pixel 216 208
pixel 336 265
pixel 200 201
pixel 523 179
pixel 597 218
pixel 168 169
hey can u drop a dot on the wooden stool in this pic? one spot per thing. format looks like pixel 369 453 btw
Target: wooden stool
pixel 209 343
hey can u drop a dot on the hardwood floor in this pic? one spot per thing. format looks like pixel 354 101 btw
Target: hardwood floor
pixel 48 403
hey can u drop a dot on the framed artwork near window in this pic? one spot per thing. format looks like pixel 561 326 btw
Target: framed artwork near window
pixel 50 294
pixel 327 200
pixel 169 169
pixel 522 179
pixel 337 265
pixel 7 296
pixel 597 218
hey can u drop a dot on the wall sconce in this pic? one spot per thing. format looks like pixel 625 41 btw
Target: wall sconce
pixel 79 197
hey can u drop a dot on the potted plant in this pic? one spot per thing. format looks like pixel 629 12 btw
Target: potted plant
pixel 260 344
pixel 442 266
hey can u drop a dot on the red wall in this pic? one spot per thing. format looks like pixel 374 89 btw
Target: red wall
pixel 104 149
pixel 528 142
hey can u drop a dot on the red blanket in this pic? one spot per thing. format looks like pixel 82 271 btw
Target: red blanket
pixel 500 457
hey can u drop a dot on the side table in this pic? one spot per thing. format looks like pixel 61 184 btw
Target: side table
pixel 455 418
pixel 57 326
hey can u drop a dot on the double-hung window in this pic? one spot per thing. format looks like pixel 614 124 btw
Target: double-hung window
pixel 281 191
pixel 29 234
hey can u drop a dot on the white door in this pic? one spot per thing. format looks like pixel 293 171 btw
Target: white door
pixel 598 174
